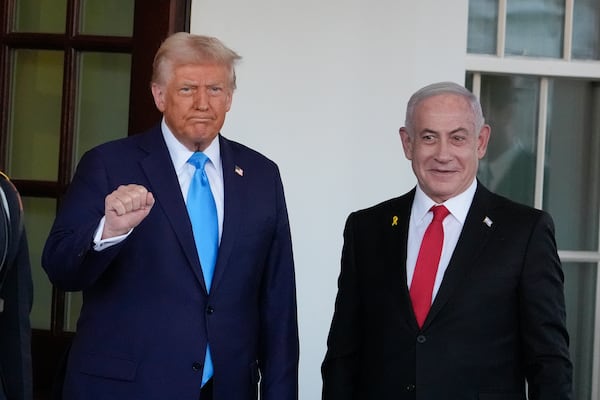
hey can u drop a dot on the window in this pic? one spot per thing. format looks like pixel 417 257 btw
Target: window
pixel 535 64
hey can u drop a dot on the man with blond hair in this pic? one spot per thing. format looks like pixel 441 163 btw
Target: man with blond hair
pixel 179 239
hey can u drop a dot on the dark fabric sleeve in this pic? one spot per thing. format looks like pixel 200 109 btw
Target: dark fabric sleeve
pixel 340 368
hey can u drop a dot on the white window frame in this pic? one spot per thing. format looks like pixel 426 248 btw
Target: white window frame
pixel 545 68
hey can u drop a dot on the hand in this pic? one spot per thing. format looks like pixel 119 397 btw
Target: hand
pixel 125 208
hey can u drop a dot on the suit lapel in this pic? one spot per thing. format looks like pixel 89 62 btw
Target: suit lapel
pixel 233 200
pixel 473 237
pixel 158 167
pixel 397 248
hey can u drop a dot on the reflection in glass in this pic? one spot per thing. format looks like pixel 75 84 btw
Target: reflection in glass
pixel 40 16
pixel 535 28
pixel 35 114
pixel 103 99
pixel 107 17
pixel 483 22
pixel 572 187
pixel 580 294
pixel 39 216
pixel 510 106
pixel 586 29
pixel 73 302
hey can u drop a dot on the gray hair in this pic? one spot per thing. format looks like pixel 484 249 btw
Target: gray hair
pixel 183 48
pixel 443 88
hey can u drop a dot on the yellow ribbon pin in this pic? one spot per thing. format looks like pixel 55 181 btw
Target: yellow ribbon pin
pixel 394 220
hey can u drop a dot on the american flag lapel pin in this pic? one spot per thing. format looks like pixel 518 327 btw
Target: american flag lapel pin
pixel 488 222
pixel 239 171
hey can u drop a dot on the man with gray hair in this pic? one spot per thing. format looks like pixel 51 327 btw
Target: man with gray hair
pixel 449 291
pixel 179 239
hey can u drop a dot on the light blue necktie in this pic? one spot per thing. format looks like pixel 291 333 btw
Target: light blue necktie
pixel 203 215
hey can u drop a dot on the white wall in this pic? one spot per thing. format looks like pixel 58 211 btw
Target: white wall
pixel 322 89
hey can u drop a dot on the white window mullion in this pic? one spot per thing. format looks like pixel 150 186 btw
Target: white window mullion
pixel 501 29
pixel 568 32
pixel 477 84
pixel 541 143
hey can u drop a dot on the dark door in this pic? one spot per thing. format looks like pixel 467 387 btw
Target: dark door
pixel 73 74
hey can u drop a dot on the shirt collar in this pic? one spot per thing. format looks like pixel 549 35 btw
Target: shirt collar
pixel 458 205
pixel 180 154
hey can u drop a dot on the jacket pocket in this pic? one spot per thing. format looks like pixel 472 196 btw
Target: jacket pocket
pixel 120 367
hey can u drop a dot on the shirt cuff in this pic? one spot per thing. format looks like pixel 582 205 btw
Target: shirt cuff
pixel 102 244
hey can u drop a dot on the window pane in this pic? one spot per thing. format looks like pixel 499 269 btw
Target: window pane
pixel 510 106
pixel 39 216
pixel 586 29
pixel 483 23
pixel 103 99
pixel 107 17
pixel 46 16
pixel 571 187
pixel 580 295
pixel 535 27
pixel 73 302
pixel 35 114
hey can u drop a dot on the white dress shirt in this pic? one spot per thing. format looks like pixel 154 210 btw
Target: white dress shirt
pixel 421 216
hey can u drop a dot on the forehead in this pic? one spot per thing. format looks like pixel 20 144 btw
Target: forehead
pixel 201 72
pixel 445 110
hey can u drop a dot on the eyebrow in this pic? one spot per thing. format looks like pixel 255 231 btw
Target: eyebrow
pixel 460 129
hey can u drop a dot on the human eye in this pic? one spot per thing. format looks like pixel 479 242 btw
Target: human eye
pixel 186 90
pixel 459 139
pixel 428 137
pixel 215 90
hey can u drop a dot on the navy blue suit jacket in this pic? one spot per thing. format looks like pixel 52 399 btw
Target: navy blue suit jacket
pixel 497 320
pixel 146 315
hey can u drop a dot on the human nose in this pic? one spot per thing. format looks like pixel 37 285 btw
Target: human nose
pixel 443 151
pixel 201 100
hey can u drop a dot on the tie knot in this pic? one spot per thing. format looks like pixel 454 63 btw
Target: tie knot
pixel 439 212
pixel 198 159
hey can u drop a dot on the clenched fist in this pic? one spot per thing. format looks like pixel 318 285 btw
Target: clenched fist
pixel 125 208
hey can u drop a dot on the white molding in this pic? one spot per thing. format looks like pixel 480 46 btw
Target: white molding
pixel 533 66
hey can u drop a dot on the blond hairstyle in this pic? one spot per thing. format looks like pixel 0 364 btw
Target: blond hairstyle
pixel 184 48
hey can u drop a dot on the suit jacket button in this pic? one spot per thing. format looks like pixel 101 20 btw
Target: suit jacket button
pixel 421 339
pixel 210 310
pixel 196 366
pixel 410 388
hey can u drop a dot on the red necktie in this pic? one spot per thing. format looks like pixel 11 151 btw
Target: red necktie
pixel 421 287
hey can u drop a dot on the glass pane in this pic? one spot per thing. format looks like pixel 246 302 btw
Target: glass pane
pixel 103 99
pixel 586 29
pixel 483 26
pixel 39 216
pixel 572 184
pixel 45 16
pixel 73 301
pixel 580 295
pixel 535 27
pixel 107 17
pixel 510 106
pixel 35 114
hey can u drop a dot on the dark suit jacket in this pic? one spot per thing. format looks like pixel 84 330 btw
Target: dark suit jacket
pixel 498 318
pixel 16 294
pixel 146 315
